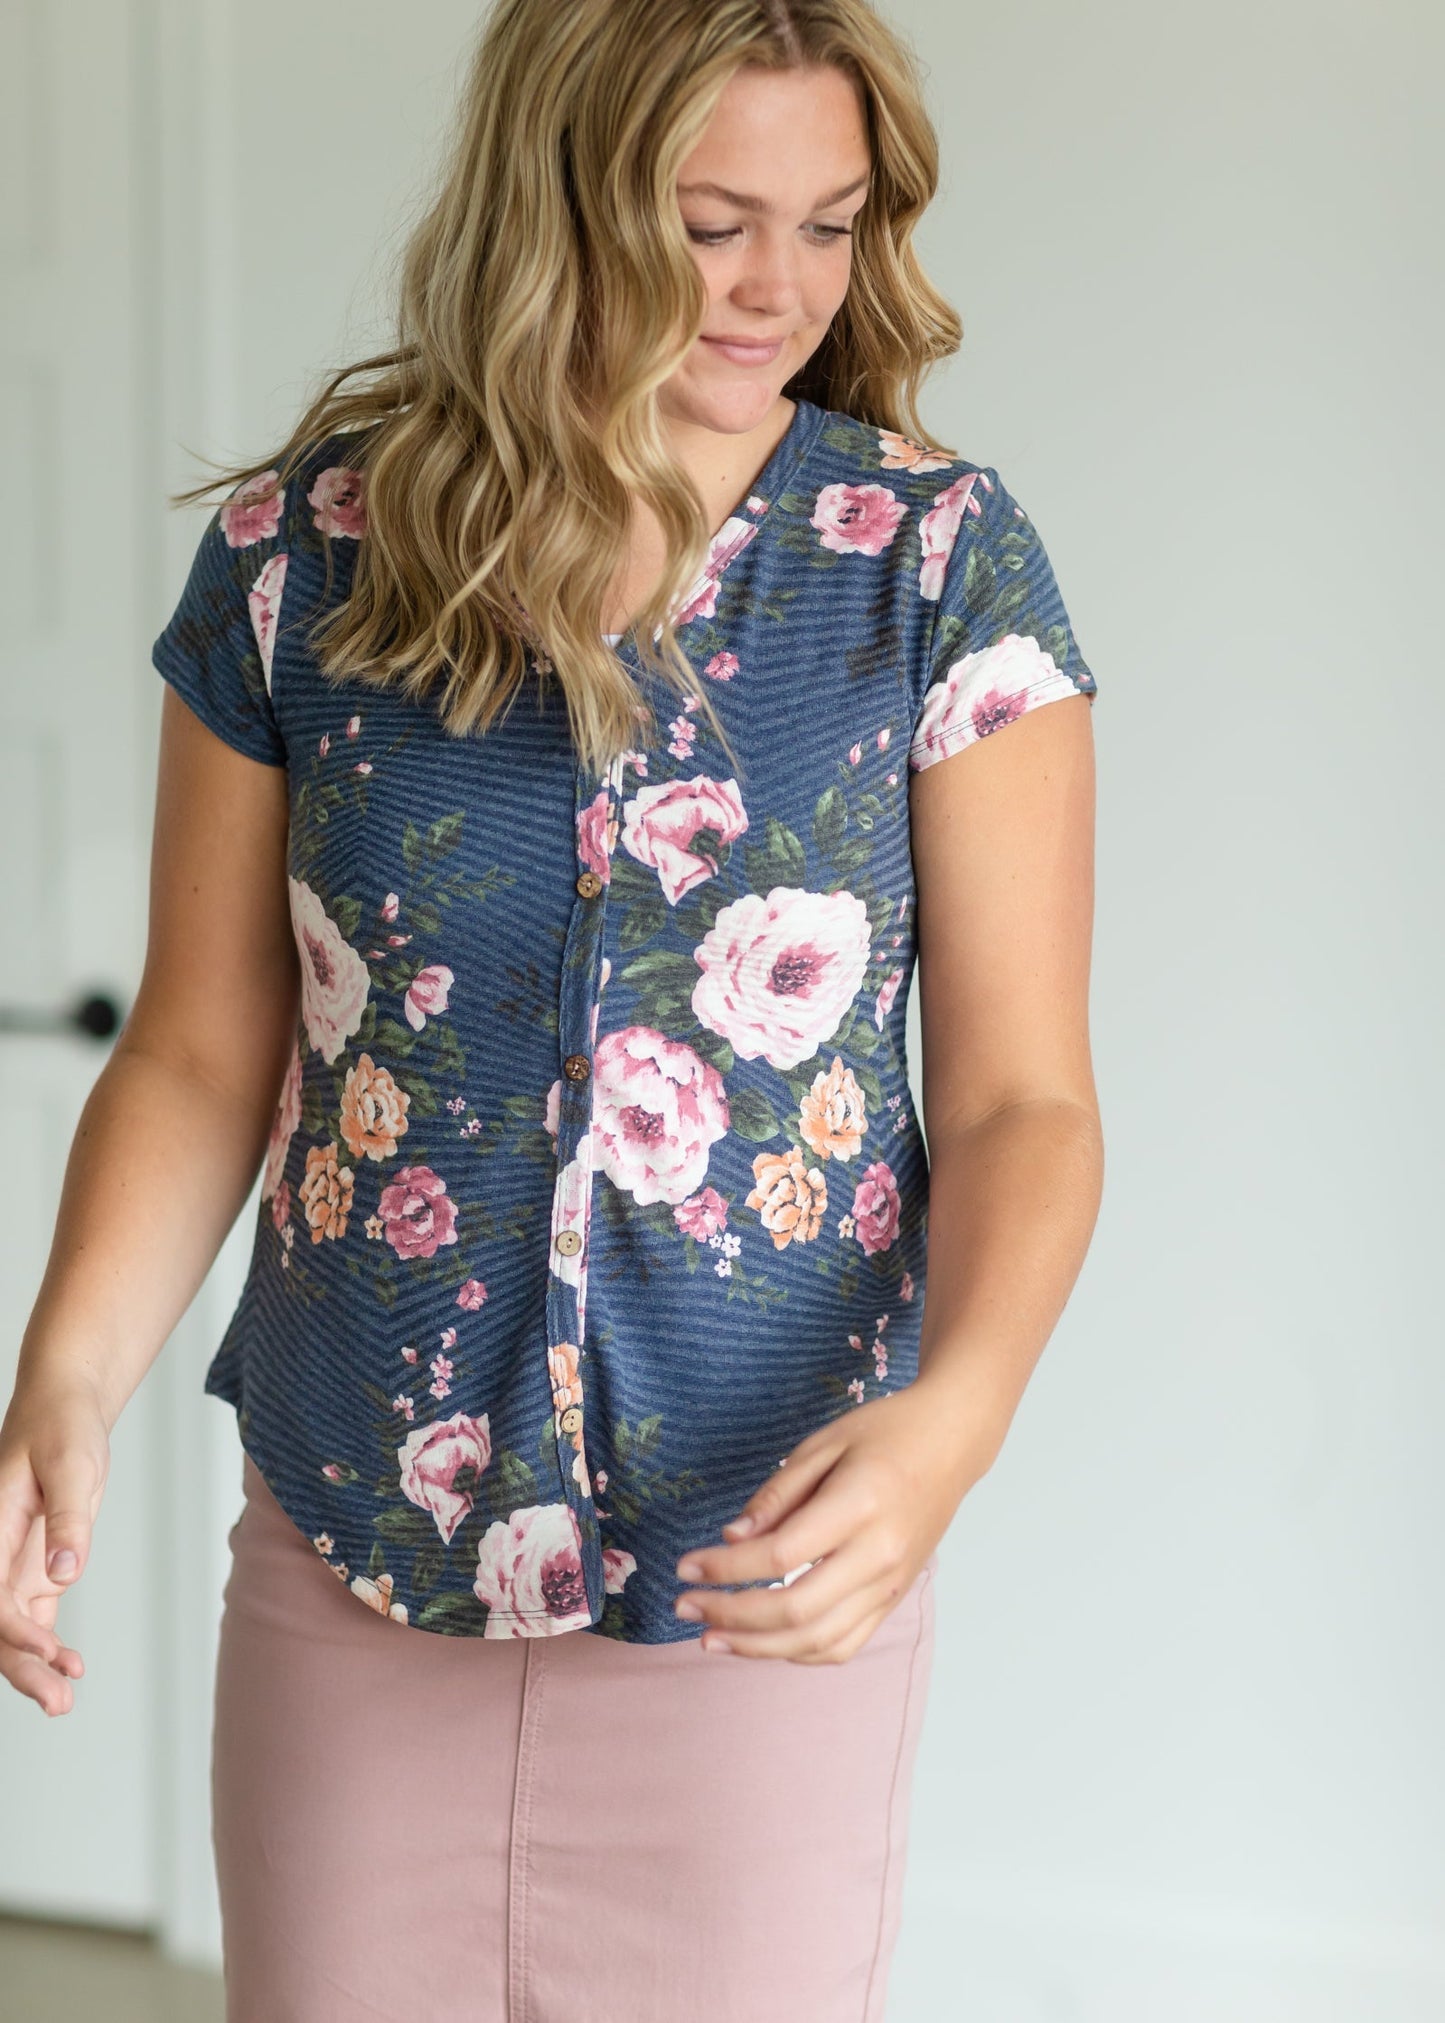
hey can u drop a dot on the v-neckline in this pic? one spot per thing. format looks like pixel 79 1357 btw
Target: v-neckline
pixel 742 526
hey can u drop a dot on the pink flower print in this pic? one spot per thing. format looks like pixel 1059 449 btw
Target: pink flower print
pixel 440 1388
pixel 334 1472
pixel 981 693
pixel 334 979
pixel 408 1353
pixel 324 746
pixel 471 1295
pixel 702 1216
pixel 448 1341
pixel 876 1207
pixel 404 1406
pixel 552 1115
pixel 601 1478
pixel 901 453
pixel 757 505
pixel 657 1108
pixel 427 995
pixel 855 753
pixel 281 1205
pixel 442 1465
pixel 905 1286
pixel 855 1390
pixel 353 726
pixel 253 511
pixel 286 1117
pixel 529 1573
pixel 722 666
pixel 616 1566
pixel 857 519
pixel 362 766
pixel 339 496
pixel 419 1214
pixel 883 736
pixel 891 779
pixel 441 1366
pixel 938 529
pixel 397 940
pixel 390 907
pixel 571 1209
pixel 679 828
pixel 725 547
pixel 779 972
pixel 888 990
pixel 263 601
pixel 592 838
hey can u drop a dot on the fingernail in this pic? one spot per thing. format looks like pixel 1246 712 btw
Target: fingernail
pixel 741 1524
pixel 689 1569
pixel 62 1562
pixel 717 1644
pixel 690 1610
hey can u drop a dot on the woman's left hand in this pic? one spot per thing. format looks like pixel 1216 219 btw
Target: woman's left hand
pixel 867 1497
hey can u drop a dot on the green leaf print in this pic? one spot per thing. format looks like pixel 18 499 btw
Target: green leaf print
pixel 830 819
pixel 394 1038
pixel 455 1615
pixel 444 835
pixel 751 1116
pixel 405 1526
pixel 510 1483
pixel 347 915
pixel 427 1566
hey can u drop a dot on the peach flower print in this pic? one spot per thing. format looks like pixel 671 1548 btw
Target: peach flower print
pixel 373 1110
pixel 789 1197
pixel 441 1466
pixel 427 995
pixel 779 973
pixel 832 1116
pixel 339 496
pixel 326 1192
pixel 901 453
pixel 253 511
pixel 938 529
pixel 263 601
pixel 334 979
pixel 657 1108
pixel 857 519
pixel 681 829
pixel 377 1594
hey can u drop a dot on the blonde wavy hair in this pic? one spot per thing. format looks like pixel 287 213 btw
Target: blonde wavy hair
pixel 545 294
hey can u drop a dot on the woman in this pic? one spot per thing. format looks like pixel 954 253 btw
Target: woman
pixel 552 802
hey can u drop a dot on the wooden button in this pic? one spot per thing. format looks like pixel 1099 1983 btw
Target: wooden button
pixel 589 884
pixel 571 1418
pixel 569 1241
pixel 576 1067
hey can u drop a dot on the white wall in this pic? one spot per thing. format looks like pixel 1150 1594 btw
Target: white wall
pixel 1182 1757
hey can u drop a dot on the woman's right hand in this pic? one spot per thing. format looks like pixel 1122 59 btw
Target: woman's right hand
pixel 54 1460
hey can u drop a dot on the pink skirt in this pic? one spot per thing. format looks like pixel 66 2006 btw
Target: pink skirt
pixel 556 1829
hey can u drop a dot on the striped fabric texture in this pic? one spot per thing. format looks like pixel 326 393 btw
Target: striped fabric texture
pixel 595 1181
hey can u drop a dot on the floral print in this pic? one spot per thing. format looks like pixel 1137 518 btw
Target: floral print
pixel 586 1198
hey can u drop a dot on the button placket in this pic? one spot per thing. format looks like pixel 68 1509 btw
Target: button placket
pixel 595 811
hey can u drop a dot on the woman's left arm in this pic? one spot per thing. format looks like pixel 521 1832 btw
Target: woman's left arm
pixel 1003 852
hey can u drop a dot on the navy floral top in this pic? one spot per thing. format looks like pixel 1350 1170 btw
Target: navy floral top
pixel 595 1181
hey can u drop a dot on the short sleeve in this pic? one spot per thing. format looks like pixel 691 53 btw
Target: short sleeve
pixel 217 649
pixel 1001 642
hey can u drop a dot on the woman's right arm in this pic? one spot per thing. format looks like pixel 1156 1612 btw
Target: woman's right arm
pixel 165 1153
